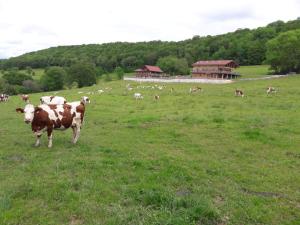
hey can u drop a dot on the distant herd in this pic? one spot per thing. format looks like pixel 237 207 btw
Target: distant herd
pixel 56 113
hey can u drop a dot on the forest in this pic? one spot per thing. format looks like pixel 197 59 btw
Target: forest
pixel 245 46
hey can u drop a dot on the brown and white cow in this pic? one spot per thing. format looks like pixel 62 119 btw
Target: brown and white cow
pixel 271 90
pixel 4 97
pixel 25 98
pixel 53 100
pixel 195 89
pixel 54 117
pixel 239 93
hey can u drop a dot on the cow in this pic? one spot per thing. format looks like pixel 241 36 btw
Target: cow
pixel 195 89
pixel 156 97
pixel 57 100
pixel 4 97
pixel 25 98
pixel 271 90
pixel 84 100
pixel 239 93
pixel 138 96
pixel 54 117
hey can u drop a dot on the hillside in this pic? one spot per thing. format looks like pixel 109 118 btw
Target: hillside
pixel 247 47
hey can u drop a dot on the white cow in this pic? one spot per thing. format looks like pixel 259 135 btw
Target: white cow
pixel 57 100
pixel 138 96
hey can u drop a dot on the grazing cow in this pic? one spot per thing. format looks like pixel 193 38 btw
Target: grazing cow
pixel 239 92
pixel 271 90
pixel 195 89
pixel 4 97
pixel 84 100
pixel 156 97
pixel 54 117
pixel 56 100
pixel 138 96
pixel 25 98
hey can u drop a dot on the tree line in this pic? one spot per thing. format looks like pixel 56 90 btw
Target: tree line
pixel 15 81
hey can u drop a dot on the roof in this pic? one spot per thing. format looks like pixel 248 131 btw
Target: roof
pixel 153 69
pixel 216 63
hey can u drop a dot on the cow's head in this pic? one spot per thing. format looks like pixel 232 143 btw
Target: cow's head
pixel 28 111
pixel 85 100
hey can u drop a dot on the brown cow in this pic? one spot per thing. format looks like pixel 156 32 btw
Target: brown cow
pixel 25 98
pixel 54 117
pixel 239 93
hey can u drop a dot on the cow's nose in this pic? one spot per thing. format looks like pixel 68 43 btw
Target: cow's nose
pixel 27 121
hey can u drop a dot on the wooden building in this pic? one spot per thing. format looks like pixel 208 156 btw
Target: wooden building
pixel 215 69
pixel 149 71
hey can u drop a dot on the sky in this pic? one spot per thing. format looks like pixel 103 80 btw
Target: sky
pixel 30 25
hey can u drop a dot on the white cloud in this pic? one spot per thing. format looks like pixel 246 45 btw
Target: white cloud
pixel 34 24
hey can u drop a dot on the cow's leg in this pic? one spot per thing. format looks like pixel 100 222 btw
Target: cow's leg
pixel 74 134
pixel 77 133
pixel 38 140
pixel 50 135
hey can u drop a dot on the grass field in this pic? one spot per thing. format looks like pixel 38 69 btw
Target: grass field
pixel 253 71
pixel 205 158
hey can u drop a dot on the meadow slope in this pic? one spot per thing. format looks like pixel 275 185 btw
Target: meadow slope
pixel 203 158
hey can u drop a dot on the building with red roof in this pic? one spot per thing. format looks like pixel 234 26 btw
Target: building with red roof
pixel 149 71
pixel 215 69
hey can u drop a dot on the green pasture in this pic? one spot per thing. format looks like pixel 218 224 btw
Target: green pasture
pixel 202 158
pixel 254 71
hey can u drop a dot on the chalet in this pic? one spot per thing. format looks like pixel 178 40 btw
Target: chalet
pixel 149 71
pixel 215 69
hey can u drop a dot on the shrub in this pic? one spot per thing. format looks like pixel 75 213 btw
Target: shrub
pixel 82 73
pixel 53 79
pixel 15 77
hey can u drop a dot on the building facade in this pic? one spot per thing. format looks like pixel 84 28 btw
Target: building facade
pixel 149 71
pixel 215 69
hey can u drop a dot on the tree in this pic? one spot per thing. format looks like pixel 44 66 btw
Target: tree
pixel 31 86
pixel 283 52
pixel 15 77
pixel 83 73
pixel 120 72
pixel 53 79
pixel 173 65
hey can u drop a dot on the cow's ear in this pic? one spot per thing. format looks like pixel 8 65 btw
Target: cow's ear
pixel 37 109
pixel 19 110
